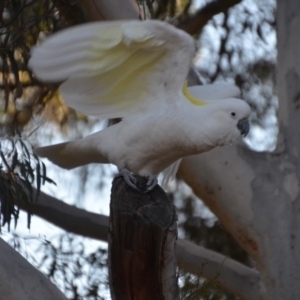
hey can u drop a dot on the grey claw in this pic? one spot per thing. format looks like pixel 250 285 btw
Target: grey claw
pixel 129 178
pixel 151 183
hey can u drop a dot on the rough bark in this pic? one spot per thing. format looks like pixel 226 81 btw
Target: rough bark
pixel 142 236
pixel 20 280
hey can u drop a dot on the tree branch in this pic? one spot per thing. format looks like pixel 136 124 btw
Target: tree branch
pixel 20 280
pixel 222 178
pixel 232 276
pixel 194 24
pixel 97 10
pixel 191 258
pixel 68 217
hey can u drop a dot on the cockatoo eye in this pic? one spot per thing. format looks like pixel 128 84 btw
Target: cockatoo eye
pixel 233 114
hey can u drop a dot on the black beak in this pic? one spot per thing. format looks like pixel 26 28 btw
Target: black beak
pixel 243 126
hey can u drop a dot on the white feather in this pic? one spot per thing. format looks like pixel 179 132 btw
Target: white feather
pixel 103 63
pixel 136 70
pixel 170 173
pixel 218 90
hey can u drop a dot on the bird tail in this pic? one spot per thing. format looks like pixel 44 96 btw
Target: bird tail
pixel 71 155
pixel 170 173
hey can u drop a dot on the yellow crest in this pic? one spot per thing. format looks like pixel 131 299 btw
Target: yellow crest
pixel 191 98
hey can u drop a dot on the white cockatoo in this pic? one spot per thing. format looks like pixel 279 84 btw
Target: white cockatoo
pixel 136 71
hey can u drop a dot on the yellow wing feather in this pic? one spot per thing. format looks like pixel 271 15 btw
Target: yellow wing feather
pixel 110 68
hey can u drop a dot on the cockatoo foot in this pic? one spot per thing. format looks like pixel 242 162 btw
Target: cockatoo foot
pixel 132 182
pixel 128 177
pixel 151 183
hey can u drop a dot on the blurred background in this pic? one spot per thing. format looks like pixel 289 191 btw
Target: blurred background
pixel 237 46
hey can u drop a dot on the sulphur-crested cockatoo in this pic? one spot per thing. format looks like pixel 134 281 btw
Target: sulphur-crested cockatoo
pixel 136 71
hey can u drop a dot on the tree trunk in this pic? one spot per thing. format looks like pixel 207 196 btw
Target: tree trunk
pixel 142 237
pixel 281 192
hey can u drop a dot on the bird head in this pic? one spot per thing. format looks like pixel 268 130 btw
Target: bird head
pixel 230 120
pixel 229 116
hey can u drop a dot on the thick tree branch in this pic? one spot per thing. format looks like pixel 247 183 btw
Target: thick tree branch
pixel 68 217
pixel 20 280
pixel 229 274
pixel 222 178
pixel 194 24
pixel 142 237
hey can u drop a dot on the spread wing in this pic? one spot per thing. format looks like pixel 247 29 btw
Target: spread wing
pixel 114 69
